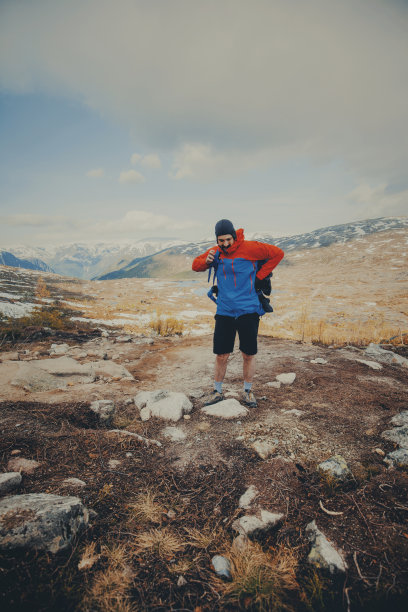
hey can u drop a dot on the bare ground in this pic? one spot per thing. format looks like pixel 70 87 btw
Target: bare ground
pixel 345 406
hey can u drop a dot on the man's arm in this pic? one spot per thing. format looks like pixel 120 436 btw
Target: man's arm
pixel 272 254
pixel 203 262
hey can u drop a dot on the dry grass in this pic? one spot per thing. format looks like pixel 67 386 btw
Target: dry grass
pixel 261 580
pixel 167 326
pixel 162 542
pixel 89 557
pixel 146 509
pixel 204 538
pixel 110 588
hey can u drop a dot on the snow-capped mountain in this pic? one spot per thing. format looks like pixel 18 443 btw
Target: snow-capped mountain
pixel 8 259
pixel 89 260
pixel 169 262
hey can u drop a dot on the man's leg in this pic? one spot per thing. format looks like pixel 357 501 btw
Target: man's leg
pixel 248 336
pixel 220 368
pixel 248 368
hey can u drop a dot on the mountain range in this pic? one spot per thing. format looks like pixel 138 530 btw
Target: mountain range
pixel 169 258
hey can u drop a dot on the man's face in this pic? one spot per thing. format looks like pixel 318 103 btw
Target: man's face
pixel 224 242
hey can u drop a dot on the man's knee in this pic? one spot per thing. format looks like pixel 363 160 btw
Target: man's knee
pixel 223 358
pixel 247 357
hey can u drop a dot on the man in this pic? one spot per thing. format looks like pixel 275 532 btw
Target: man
pixel 238 305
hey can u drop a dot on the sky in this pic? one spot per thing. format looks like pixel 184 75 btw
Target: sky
pixel 155 118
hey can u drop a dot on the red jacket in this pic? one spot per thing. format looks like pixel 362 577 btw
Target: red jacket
pixel 236 274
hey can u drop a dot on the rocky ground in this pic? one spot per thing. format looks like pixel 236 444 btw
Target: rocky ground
pixel 123 498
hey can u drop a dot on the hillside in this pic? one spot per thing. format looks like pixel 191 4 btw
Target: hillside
pixel 169 263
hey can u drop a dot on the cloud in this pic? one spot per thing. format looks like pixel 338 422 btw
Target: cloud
pixel 135 159
pixel 325 78
pixel 151 161
pixel 379 201
pixel 137 221
pixel 131 176
pixel 96 173
pixel 147 161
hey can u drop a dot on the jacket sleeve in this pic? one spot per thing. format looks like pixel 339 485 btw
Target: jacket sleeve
pixel 271 253
pixel 199 263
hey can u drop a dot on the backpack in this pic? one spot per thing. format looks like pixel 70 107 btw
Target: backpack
pixel 265 290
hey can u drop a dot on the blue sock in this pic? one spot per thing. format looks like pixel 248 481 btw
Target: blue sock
pixel 218 386
pixel 247 386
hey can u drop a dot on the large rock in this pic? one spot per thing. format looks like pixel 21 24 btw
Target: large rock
pixel 323 554
pixel 287 378
pixel 336 467
pixel 104 409
pixel 252 525
pixel 398 435
pixel 66 366
pixel 40 521
pixel 9 482
pixel 48 374
pixel 227 409
pixel 167 405
pixel 111 369
pixel 389 357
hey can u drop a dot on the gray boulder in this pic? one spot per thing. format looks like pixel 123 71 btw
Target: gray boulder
pixel 398 435
pixel 227 409
pixel 286 378
pixel 9 482
pixel 400 419
pixel 398 458
pixel 167 405
pixel 40 521
pixel 336 467
pixel 252 525
pixel 104 409
pixel 323 554
pixel 388 357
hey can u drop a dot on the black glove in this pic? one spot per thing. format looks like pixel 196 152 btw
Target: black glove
pixel 258 284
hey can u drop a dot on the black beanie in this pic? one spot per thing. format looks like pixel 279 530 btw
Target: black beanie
pixel 224 227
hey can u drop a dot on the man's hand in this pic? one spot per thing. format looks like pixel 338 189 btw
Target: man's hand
pixel 210 257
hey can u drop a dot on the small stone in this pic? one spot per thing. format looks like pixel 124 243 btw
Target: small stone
pixel 293 411
pixel 380 452
pixel 15 452
pixel 181 581
pixel 252 524
pixel 275 384
pixel 9 482
pixel 286 379
pixel 323 554
pixel 186 417
pixel 222 566
pixel 25 466
pixel 248 497
pixel 336 467
pixel 398 458
pixel 129 454
pixel 263 448
pixel 128 401
pixel 73 482
pixel 319 360
pixel 114 463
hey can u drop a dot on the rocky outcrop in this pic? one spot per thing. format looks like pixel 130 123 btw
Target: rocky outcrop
pixel 40 521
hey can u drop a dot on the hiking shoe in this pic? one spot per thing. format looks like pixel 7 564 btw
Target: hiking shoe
pixel 249 399
pixel 212 398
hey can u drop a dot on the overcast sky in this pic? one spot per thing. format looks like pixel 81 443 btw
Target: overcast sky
pixel 139 118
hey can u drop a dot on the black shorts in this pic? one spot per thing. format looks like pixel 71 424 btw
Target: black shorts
pixel 225 331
